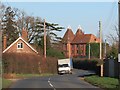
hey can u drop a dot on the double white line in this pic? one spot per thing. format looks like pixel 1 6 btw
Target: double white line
pixel 51 84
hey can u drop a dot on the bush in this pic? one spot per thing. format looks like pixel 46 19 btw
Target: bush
pixel 103 82
pixel 94 50
pixel 49 65
pixel 24 63
pixel 55 53
pixel 87 65
pixel 20 63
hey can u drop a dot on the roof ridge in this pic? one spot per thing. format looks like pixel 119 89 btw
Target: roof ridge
pixel 23 41
pixel 69 35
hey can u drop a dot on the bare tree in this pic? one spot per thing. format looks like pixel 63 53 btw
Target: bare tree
pixel 113 42
pixel 2 9
pixel 113 38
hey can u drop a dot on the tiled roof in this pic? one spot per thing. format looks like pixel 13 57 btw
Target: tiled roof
pixel 79 32
pixel 94 39
pixel 86 38
pixel 69 36
pixel 79 37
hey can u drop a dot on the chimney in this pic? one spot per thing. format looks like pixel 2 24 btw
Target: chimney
pixel 4 42
pixel 24 34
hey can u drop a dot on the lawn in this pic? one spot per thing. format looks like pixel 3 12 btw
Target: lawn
pixel 103 82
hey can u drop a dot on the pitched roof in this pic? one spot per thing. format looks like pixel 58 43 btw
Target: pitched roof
pixel 20 38
pixel 79 36
pixel 69 36
pixel 85 38
pixel 94 39
pixel 79 32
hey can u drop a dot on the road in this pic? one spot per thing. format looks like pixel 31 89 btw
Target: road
pixel 56 82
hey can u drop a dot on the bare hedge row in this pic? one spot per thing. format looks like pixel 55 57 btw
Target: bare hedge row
pixel 28 63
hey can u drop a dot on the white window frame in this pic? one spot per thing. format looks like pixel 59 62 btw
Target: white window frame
pixel 21 45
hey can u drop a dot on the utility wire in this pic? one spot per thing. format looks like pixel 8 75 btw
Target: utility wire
pixel 111 17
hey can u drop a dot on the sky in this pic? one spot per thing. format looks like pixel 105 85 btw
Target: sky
pixel 60 0
pixel 86 14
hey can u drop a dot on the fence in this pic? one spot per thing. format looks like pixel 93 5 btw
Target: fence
pixel 110 67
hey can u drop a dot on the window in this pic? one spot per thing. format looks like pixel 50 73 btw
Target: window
pixel 65 46
pixel 72 51
pixel 95 39
pixel 20 45
pixel 77 46
pixel 63 65
pixel 77 52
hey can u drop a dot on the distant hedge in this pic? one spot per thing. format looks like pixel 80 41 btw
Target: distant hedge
pixel 87 65
pixel 55 53
pixel 94 49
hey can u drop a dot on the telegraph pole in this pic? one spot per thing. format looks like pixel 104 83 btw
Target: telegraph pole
pixel 100 30
pixel 44 40
pixel 89 50
pixel 105 49
pixel 69 47
pixel 119 43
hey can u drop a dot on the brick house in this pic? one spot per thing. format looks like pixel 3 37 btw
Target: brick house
pixel 20 45
pixel 75 45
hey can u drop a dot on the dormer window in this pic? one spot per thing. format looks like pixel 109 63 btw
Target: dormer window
pixel 20 46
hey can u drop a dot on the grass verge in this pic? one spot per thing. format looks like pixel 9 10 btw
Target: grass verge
pixel 6 83
pixel 21 76
pixel 102 82
pixel 31 75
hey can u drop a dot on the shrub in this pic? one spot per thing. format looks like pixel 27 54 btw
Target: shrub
pixel 87 65
pixel 24 63
pixel 55 53
pixel 20 63
pixel 49 65
pixel 103 82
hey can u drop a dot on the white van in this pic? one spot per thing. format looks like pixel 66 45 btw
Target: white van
pixel 65 66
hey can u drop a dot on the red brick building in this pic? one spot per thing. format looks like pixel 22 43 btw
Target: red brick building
pixel 75 45
pixel 19 46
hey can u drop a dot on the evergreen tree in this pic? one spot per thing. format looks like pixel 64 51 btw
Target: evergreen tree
pixel 35 28
pixel 9 25
pixel 51 28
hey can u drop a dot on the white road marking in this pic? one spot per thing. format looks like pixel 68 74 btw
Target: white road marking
pixel 51 84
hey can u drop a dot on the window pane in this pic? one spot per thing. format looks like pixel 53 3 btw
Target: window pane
pixel 20 45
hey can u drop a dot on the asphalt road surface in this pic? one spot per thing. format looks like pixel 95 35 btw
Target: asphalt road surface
pixel 56 82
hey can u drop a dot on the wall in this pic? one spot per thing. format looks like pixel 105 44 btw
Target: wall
pixel 25 49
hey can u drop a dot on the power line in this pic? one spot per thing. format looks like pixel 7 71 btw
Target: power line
pixel 111 16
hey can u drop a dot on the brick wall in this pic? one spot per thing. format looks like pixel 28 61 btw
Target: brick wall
pixel 25 48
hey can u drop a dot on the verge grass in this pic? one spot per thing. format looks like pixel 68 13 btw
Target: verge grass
pixel 6 83
pixel 102 82
pixel 31 75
